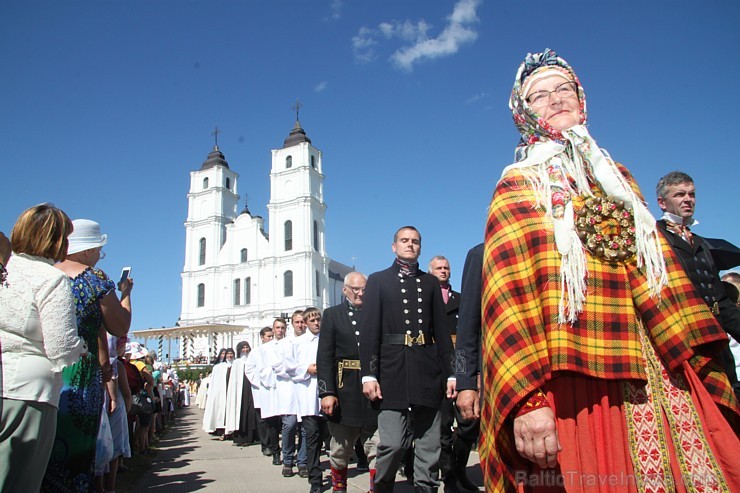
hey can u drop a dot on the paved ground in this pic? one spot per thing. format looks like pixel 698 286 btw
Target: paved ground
pixel 189 459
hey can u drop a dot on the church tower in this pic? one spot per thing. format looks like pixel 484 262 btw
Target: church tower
pixel 212 206
pixel 296 221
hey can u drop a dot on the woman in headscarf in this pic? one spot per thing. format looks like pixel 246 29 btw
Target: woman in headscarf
pixel 599 359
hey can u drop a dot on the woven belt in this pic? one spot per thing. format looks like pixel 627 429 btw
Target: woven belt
pixel 345 364
pixel 405 339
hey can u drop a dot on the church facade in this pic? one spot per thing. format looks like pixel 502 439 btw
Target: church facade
pixel 239 271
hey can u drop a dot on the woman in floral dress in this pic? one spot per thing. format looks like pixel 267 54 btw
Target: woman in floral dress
pixel 72 462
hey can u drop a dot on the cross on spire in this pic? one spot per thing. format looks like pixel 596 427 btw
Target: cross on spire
pixel 215 133
pixel 297 107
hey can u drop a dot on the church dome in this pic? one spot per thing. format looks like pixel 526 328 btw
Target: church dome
pixel 215 158
pixel 296 136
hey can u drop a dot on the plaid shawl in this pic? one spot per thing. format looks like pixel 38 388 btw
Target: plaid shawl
pixel 524 345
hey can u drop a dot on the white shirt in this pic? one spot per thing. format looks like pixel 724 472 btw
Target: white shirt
pixel 38 330
pixel 268 380
pixel 306 388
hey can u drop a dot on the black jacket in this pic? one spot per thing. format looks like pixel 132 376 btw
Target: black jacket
pixel 467 352
pixel 408 375
pixel 699 266
pixel 340 341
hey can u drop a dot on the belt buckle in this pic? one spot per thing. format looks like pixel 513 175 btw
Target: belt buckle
pixel 409 340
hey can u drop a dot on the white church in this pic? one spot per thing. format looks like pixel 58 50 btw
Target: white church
pixel 239 276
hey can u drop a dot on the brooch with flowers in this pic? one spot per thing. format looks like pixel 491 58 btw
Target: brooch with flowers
pixel 607 229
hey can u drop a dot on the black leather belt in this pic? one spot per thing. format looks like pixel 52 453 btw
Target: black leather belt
pixel 406 339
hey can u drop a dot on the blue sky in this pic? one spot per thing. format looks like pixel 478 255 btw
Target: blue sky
pixel 107 106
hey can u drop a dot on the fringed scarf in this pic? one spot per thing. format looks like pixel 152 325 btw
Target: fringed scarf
pixel 559 165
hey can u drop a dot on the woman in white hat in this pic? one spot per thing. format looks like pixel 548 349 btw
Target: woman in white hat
pixel 99 311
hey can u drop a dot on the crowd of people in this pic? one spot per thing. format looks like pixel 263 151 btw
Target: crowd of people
pixel 588 351
pixel 77 397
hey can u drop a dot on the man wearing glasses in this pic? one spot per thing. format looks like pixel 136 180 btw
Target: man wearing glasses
pixel 340 388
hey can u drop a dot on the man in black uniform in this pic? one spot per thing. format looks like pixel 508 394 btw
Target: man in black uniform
pixel 677 198
pixel 456 442
pixel 349 414
pixel 405 356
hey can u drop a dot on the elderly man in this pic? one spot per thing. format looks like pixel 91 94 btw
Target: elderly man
pixel 677 198
pixel 405 356
pixel 340 388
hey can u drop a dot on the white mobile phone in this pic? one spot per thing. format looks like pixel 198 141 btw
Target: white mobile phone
pixel 125 274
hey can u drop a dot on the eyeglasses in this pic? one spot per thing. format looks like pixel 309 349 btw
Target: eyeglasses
pixel 541 98
pixel 356 289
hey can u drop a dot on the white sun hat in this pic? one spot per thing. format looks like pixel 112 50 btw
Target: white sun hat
pixel 86 235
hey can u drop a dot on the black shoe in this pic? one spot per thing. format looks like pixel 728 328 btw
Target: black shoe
pixel 315 489
pixel 464 483
pixel 276 460
pixel 266 452
pixel 303 471
pixel 363 467
pixel 288 472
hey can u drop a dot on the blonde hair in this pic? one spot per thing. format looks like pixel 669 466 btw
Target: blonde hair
pixel 42 231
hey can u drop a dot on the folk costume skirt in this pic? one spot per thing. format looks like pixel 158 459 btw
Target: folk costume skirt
pixel 665 435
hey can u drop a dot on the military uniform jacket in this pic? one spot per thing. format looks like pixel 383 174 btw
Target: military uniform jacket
pixel 339 341
pixel 699 265
pixel 452 309
pixel 392 305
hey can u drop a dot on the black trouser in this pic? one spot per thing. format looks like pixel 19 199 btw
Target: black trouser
pixel 269 432
pixel 315 427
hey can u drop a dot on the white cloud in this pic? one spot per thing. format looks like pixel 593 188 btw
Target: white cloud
pixel 336 9
pixel 456 33
pixel 362 44
pixel 476 97
pixel 320 86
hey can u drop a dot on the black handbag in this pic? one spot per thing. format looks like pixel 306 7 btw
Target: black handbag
pixel 141 404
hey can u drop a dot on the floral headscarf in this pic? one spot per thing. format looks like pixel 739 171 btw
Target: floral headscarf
pixel 532 127
pixel 548 158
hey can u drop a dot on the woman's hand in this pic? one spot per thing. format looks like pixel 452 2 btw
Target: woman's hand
pixel 536 437
pixel 125 287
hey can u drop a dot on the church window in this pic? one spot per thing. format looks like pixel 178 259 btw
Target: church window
pixel 289 162
pixel 244 255
pixel 237 291
pixel 288 283
pixel 318 284
pixel 228 184
pixel 288 235
pixel 316 236
pixel 313 162
pixel 201 295
pixel 205 183
pixel 247 290
pixel 202 252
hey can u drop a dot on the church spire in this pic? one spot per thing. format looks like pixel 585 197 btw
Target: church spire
pixel 216 157
pixel 297 135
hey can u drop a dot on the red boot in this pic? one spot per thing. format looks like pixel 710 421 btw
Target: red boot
pixel 338 480
pixel 372 481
